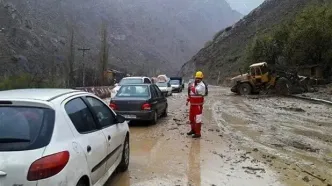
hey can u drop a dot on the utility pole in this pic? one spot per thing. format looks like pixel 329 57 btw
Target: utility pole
pixel 83 63
pixel 218 78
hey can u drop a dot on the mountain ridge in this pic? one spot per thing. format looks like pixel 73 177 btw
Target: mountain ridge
pixel 142 34
pixel 225 55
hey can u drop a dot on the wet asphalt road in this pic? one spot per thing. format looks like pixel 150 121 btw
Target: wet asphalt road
pixel 246 141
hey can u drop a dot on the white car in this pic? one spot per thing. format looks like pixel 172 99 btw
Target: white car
pixel 51 137
pixel 130 80
pixel 165 88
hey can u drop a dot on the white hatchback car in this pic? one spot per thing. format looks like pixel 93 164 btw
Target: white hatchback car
pixel 165 88
pixel 59 137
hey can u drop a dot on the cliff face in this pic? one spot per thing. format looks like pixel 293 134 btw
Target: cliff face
pixel 144 36
pixel 225 55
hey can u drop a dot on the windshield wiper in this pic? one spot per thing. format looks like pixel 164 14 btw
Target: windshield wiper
pixel 13 140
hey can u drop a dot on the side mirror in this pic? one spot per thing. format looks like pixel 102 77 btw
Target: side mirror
pixel 116 84
pixel 120 119
pixel 168 84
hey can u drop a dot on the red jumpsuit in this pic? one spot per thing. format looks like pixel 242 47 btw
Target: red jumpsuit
pixel 196 99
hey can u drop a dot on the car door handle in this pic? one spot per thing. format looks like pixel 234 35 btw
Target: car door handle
pixel 88 148
pixel 109 138
pixel 154 102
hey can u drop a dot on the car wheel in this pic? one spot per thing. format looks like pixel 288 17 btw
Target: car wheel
pixel 124 164
pixel 165 113
pixel 155 118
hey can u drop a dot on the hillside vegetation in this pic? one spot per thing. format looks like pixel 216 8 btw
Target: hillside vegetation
pixel 307 40
pixel 269 33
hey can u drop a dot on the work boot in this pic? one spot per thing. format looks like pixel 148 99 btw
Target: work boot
pixel 190 133
pixel 196 136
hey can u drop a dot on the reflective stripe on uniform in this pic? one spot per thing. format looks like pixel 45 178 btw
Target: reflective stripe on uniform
pixel 199 118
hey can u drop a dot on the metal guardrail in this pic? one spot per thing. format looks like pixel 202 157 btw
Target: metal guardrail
pixel 102 91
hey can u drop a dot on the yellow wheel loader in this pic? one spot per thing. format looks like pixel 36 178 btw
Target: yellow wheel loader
pixel 261 79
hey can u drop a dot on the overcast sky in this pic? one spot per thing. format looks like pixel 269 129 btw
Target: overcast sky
pixel 244 6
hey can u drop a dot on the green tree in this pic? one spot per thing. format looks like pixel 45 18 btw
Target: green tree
pixel 263 49
pixel 310 39
pixel 305 40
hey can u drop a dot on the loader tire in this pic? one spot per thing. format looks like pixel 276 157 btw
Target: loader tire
pixel 244 89
pixel 283 87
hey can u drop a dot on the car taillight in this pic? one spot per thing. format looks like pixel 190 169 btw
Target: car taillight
pixel 48 166
pixel 113 106
pixel 146 106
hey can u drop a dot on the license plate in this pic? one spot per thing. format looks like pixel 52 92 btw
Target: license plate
pixel 129 116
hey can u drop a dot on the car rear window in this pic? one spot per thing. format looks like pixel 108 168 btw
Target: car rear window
pixel 161 84
pixel 133 91
pixel 25 128
pixel 131 81
pixel 174 82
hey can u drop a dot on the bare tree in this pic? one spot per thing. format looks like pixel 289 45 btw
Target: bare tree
pixel 71 59
pixel 103 53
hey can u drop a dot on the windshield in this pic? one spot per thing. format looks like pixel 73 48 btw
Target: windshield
pixel 175 82
pixel 131 81
pixel 161 84
pixel 28 125
pixel 133 91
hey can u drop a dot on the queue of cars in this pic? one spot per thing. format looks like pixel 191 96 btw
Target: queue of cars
pixel 138 98
pixel 143 102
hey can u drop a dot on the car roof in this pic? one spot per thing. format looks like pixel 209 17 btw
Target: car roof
pixel 44 94
pixel 138 84
pixel 135 77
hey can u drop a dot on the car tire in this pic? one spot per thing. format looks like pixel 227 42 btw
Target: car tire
pixel 244 89
pixel 155 118
pixel 165 113
pixel 124 164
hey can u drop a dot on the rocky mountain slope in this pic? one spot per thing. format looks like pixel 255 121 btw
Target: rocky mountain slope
pixel 144 36
pixel 225 55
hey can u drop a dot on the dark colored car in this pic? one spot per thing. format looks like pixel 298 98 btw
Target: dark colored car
pixel 140 102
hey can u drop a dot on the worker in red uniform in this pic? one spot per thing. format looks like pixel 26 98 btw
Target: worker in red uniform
pixel 196 95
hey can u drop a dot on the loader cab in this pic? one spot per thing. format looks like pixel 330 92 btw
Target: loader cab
pixel 259 73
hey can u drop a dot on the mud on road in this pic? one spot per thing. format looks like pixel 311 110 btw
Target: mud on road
pixel 245 141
